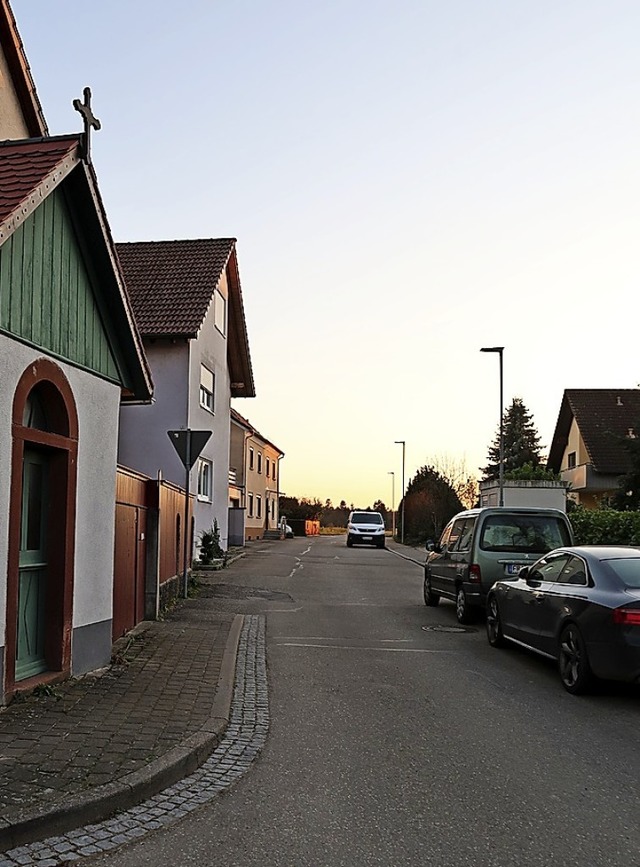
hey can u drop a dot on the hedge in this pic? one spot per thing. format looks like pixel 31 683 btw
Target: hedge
pixel 605 526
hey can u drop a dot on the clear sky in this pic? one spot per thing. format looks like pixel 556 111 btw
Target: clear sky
pixel 408 180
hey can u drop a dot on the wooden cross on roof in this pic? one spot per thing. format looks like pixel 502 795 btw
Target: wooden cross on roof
pixel 90 120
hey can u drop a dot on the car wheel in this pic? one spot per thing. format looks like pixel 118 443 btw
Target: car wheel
pixel 464 612
pixel 573 663
pixel 381 545
pixel 494 626
pixel 430 598
pixel 349 542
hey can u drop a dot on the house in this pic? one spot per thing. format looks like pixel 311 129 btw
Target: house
pixel 187 300
pixel 70 355
pixel 588 443
pixel 21 114
pixel 254 482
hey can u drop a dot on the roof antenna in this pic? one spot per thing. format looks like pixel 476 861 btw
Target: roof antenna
pixel 90 120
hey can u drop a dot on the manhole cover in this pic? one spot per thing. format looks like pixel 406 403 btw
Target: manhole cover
pixel 440 628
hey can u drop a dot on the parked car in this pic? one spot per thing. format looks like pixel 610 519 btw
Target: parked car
pixel 482 545
pixel 578 605
pixel 365 528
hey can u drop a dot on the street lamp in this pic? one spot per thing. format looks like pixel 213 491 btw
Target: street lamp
pixel 393 502
pixel 403 444
pixel 499 350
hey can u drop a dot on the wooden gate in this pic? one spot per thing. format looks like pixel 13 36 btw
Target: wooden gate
pixel 130 551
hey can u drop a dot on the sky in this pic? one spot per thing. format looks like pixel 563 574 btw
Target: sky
pixel 408 181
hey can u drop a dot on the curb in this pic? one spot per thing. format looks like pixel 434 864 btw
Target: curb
pixel 100 803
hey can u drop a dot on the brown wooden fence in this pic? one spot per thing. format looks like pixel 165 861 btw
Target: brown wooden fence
pixel 149 547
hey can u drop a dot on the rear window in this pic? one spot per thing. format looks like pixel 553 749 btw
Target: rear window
pixel 628 571
pixel 366 518
pixel 535 534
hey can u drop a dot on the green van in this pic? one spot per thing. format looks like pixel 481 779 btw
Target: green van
pixel 482 545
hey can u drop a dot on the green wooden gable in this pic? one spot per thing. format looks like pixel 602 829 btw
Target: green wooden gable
pixel 47 296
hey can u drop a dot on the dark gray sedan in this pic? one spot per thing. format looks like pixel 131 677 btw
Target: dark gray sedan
pixel 580 606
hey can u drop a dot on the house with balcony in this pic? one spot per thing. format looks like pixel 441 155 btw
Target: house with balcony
pixel 588 442
pixel 254 482
pixel 187 300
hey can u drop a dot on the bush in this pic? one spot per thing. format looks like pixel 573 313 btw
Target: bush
pixel 605 526
pixel 210 548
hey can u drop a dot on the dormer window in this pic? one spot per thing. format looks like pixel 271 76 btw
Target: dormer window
pixel 571 460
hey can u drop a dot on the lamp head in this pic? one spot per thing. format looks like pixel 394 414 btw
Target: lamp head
pixel 492 349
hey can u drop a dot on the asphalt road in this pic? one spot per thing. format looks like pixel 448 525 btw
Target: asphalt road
pixel 398 740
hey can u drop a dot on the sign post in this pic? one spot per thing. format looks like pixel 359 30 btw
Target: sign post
pixel 188 444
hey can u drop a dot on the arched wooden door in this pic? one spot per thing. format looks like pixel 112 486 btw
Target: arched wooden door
pixel 41 528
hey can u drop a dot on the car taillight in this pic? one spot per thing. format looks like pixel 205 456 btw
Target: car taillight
pixel 627 616
pixel 474 573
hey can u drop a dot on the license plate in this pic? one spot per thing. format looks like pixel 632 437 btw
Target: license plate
pixel 512 568
pixel 367 538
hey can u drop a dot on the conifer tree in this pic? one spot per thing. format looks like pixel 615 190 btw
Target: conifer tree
pixel 521 442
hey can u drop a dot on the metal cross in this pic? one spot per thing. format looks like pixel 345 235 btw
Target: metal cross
pixel 90 120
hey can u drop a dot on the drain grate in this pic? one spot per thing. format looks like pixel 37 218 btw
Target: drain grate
pixel 445 628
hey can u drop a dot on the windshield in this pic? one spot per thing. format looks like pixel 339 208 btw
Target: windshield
pixel 534 534
pixel 628 571
pixel 366 518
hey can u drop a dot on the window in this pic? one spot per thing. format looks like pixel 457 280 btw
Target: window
pixel 273 510
pixel 251 455
pixel 207 385
pixel 258 506
pixel 575 572
pixel 550 568
pixel 456 530
pixel 259 462
pixel 268 467
pixel 464 540
pixel 220 311
pixel 571 460
pixel 250 505
pixel 205 479
pixel 274 471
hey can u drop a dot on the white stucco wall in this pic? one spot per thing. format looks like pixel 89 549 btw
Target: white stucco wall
pixel 97 404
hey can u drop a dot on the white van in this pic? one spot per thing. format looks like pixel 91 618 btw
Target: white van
pixel 365 528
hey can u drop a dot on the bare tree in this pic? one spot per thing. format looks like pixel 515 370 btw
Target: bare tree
pixel 457 474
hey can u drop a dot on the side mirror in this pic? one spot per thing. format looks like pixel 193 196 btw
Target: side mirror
pixel 524 573
pixel 431 545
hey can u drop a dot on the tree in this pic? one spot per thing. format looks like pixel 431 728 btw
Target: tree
pixel 628 495
pixel 429 503
pixel 456 473
pixel 521 442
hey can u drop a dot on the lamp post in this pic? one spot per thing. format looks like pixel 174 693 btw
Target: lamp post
pixel 393 502
pixel 499 350
pixel 403 444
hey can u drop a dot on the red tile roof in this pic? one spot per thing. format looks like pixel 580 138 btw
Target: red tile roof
pixel 171 286
pixel 25 165
pixel 171 283
pixel 604 416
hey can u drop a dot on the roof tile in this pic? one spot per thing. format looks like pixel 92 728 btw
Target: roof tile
pixel 171 283
pixel 24 165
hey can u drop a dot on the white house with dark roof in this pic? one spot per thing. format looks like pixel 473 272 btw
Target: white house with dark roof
pixel 187 300
pixel 70 354
pixel 588 442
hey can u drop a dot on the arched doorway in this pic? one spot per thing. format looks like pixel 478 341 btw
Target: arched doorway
pixel 41 528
